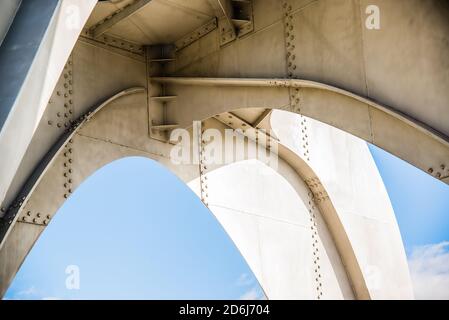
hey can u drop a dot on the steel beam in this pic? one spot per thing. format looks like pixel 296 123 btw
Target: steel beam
pixel 118 16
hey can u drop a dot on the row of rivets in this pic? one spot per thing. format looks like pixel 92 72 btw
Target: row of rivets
pixel 68 148
pixel 295 93
pixel 11 211
pixel 441 173
pixel 295 106
pixel 62 119
pixel 204 192
pixel 115 42
pixel 315 246
pixel 37 218
pixel 289 40
pixel 319 194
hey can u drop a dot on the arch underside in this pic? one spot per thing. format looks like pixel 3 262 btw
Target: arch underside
pixel 119 128
pixel 357 80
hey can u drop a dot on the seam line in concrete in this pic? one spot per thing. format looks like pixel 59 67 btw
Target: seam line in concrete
pixel 258 215
pixel 123 146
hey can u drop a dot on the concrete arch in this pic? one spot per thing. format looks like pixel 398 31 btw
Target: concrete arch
pixel 256 70
pixel 330 45
pixel 96 152
pixel 121 133
pixel 367 119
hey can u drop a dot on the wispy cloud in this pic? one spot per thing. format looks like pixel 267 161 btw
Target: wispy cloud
pixel 31 291
pixel 429 269
pixel 245 280
pixel 255 293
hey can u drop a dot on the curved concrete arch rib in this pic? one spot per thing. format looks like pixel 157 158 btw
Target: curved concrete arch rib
pixel 44 165
pixel 97 140
pixel 380 125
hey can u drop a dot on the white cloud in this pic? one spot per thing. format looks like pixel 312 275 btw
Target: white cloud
pixel 244 280
pixel 27 292
pixel 429 269
pixel 253 294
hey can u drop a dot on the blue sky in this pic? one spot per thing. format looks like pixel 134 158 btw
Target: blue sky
pixel 136 232
pixel 420 202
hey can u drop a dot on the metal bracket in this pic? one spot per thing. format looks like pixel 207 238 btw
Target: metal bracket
pixel 227 33
pixel 159 58
pixel 237 22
